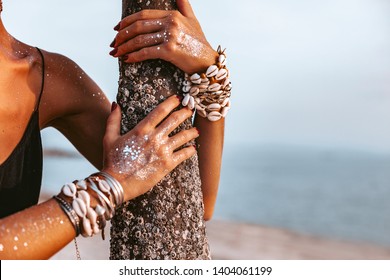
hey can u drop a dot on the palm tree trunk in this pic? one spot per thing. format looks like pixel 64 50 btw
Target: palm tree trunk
pixel 150 81
pixel 167 222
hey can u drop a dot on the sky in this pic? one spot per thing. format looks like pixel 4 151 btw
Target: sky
pixel 304 72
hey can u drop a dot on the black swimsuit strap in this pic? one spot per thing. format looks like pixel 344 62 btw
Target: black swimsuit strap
pixel 43 78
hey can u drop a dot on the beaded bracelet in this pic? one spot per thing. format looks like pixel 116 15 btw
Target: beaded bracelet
pixel 209 93
pixel 67 208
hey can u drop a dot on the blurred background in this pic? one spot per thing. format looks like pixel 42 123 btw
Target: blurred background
pixel 307 150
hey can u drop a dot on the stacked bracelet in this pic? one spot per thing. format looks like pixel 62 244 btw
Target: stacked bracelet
pixel 86 220
pixel 209 93
pixel 67 208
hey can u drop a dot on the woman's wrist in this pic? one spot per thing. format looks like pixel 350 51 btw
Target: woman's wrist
pixel 206 60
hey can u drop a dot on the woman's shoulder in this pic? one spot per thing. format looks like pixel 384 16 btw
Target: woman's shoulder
pixel 61 66
pixel 66 85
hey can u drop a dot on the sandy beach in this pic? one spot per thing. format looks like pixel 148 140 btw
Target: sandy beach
pixel 238 241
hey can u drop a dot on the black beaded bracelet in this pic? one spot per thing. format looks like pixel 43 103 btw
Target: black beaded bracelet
pixel 69 211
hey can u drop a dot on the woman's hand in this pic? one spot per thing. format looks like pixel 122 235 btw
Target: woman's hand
pixel 143 156
pixel 174 36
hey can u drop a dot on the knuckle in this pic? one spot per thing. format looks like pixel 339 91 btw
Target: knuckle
pixel 138 40
pixel 170 47
pixel 175 18
pixel 137 26
pixel 142 14
pixel 140 130
pixel 176 117
pixel 143 53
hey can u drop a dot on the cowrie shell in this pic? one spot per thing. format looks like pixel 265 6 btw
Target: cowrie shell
pixel 226 101
pixel 196 79
pixel 214 107
pixel 87 227
pixel 92 216
pixel 212 71
pixel 79 207
pixel 186 99
pixel 225 111
pixel 194 91
pixel 214 87
pixel 222 74
pixel 100 210
pixel 186 88
pixel 214 116
pixel 226 82
pixel 84 196
pixel 103 186
pixel 191 103
pixel 186 83
pixel 202 88
pixel 198 107
pixel 222 59
pixel 202 113
pixel 82 185
pixel 205 81
pixel 69 189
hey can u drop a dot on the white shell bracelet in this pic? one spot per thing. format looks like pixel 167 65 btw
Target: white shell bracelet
pixel 77 206
pixel 209 93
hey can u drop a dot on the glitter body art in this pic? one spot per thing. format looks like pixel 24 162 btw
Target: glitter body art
pixel 167 222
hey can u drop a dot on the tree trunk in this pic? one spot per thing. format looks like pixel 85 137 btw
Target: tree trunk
pixel 167 222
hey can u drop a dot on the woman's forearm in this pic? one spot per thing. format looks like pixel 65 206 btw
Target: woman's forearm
pixel 35 233
pixel 210 146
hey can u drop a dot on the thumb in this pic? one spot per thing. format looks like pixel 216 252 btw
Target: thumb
pixel 185 8
pixel 113 125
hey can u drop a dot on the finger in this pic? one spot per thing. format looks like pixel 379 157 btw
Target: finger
pixel 142 15
pixel 137 28
pixel 174 120
pixel 183 154
pixel 113 125
pixel 153 52
pixel 182 138
pixel 140 42
pixel 185 8
pixel 161 111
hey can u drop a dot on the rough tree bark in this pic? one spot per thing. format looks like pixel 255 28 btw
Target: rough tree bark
pixel 167 222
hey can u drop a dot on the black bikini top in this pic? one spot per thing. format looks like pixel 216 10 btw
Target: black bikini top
pixel 21 172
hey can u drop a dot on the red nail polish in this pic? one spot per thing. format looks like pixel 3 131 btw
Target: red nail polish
pixel 113 52
pixel 112 44
pixel 116 28
pixel 197 130
pixel 113 106
pixel 195 146
pixel 125 57
pixel 179 97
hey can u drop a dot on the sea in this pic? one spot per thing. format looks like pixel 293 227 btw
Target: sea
pixel 334 194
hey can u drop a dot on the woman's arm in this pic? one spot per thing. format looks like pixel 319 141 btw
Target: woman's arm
pixel 74 104
pixel 210 147
pixel 40 231
pixel 177 37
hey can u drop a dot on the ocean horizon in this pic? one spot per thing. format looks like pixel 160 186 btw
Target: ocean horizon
pixel 331 193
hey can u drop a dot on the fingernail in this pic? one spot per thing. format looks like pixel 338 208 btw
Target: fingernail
pixel 113 106
pixel 125 57
pixel 113 52
pixel 179 97
pixel 197 130
pixel 195 146
pixel 116 28
pixel 112 44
